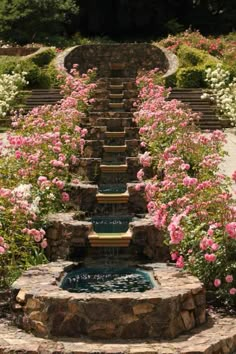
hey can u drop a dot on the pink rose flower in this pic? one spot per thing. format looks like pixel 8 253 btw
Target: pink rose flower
pixel 232 291
pixel 189 181
pixel 231 229
pixel 65 197
pixel 217 283
pixel 229 278
pixel 180 262
pixel 210 257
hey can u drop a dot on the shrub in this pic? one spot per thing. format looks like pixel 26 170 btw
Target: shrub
pixel 190 201
pixel 190 56
pixel 36 76
pixel 193 63
pixel 8 64
pixel 171 81
pixel 43 56
pixel 53 75
pixel 194 39
pixel 193 50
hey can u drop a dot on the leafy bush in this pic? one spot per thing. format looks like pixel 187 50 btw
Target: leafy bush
pixel 39 72
pixel 43 56
pixel 190 77
pixel 193 50
pixel 190 56
pixel 34 73
pixel 7 64
pixel 193 63
pixel 52 74
pixel 194 39
pixel 171 81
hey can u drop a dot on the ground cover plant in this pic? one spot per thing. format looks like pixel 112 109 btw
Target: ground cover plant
pixel 35 166
pixel 188 198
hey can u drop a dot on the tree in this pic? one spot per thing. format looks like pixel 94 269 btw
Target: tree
pixel 25 21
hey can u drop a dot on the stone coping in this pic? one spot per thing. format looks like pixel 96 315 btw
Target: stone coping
pixel 171 59
pixel 45 280
pixel 217 336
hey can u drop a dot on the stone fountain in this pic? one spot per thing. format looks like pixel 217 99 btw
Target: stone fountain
pixel 133 297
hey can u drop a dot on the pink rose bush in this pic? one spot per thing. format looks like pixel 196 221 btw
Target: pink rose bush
pixel 188 198
pixel 35 164
pixel 220 47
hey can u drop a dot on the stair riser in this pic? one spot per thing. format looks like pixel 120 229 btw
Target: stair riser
pixel 99 133
pixel 111 158
pixel 116 209
pixel 114 141
pixel 116 124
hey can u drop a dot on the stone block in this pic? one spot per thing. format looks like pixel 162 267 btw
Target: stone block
pixel 21 296
pixel 142 308
pixel 188 319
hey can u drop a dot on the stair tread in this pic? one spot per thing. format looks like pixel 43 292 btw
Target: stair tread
pixel 112 195
pixel 110 235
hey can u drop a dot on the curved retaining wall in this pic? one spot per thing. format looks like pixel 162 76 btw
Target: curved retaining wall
pixel 134 57
pixel 17 51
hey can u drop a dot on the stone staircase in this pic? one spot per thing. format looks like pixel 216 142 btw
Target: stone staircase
pixel 40 97
pixel 112 139
pixel 108 168
pixel 115 213
pixel 192 97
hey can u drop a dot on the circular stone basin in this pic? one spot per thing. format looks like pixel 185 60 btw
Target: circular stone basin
pixel 175 306
pixel 99 280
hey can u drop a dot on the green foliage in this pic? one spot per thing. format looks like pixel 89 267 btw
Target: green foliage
pixel 190 77
pixel 7 64
pixel 193 63
pixel 190 56
pixel 25 21
pixel 52 74
pixel 43 56
pixel 40 73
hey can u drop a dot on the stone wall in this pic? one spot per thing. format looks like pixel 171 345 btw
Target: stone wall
pixel 68 238
pixel 104 57
pixel 17 51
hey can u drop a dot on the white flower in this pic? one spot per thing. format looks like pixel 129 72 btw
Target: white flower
pixel 23 191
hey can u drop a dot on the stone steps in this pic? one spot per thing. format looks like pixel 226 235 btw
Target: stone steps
pixel 40 97
pixel 192 97
pixel 117 198
pixel 114 148
pixel 110 239
pixel 115 134
pixel 113 168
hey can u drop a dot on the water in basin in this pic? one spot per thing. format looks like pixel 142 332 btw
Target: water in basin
pixel 112 188
pixel 104 279
pixel 111 224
